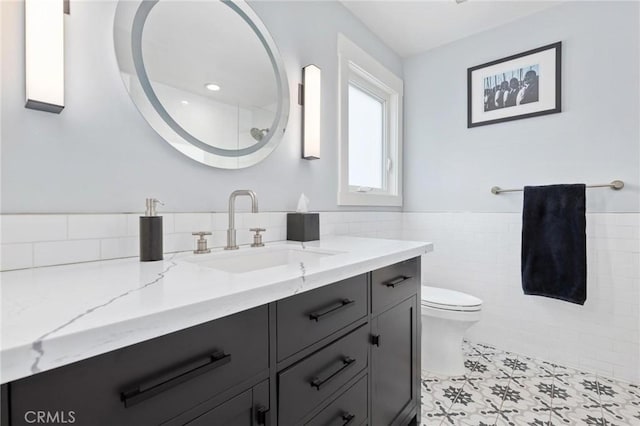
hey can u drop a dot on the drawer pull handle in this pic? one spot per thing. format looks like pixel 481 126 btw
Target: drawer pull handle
pixel 346 363
pixel 345 303
pixel 397 281
pixel 348 418
pixel 261 415
pixel 158 385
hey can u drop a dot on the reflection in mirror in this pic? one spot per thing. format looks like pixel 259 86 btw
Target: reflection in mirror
pixel 206 75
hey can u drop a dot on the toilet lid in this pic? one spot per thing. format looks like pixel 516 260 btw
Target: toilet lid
pixel 442 298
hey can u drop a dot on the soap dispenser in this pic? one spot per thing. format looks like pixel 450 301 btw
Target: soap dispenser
pixel 151 232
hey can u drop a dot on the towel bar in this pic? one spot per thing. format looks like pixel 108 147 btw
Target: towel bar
pixel 616 184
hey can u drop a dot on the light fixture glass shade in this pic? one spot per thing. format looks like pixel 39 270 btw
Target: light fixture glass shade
pixel 311 76
pixel 44 54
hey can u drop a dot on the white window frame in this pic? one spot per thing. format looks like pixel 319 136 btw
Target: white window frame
pixel 357 67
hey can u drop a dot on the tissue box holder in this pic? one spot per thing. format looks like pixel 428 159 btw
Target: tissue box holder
pixel 303 226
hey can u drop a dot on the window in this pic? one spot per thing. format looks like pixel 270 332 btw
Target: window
pixel 370 117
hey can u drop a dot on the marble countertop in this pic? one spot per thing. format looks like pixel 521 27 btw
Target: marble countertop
pixel 58 315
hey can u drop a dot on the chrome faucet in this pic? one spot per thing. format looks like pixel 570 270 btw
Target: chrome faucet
pixel 231 232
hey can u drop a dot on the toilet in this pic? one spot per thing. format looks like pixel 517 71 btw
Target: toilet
pixel 446 315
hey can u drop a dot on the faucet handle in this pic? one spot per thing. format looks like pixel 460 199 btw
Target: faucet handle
pixel 257 238
pixel 202 242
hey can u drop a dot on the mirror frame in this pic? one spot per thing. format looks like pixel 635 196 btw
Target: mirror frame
pixel 131 16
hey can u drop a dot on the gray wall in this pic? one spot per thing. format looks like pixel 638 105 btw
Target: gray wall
pixel 99 155
pixel 594 140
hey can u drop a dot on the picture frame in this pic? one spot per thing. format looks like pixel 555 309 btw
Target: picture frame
pixel 525 85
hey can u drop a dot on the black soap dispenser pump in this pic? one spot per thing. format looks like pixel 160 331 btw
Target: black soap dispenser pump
pixel 151 232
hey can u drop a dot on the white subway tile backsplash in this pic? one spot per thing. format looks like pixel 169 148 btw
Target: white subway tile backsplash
pixel 252 220
pixel 61 252
pixel 192 222
pixel 168 223
pixel 16 256
pixel 278 220
pixel 218 239
pixel 25 228
pixel 113 248
pixel 89 226
pixel 179 242
pixel 220 221
pixel 133 224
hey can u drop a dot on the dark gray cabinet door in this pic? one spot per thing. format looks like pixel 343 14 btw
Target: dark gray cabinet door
pixel 241 410
pixel 394 363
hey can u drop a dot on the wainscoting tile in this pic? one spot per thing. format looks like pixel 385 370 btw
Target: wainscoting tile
pixel 16 256
pixel 25 228
pixel 90 226
pixel 61 252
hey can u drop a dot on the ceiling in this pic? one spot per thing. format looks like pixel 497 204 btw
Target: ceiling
pixel 411 27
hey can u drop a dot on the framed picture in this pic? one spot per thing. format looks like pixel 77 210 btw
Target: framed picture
pixel 520 86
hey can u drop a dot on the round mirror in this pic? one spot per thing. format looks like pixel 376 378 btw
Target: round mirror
pixel 206 75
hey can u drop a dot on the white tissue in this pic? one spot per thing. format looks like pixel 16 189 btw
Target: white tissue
pixel 303 204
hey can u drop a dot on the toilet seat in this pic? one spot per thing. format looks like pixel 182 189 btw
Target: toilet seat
pixel 449 300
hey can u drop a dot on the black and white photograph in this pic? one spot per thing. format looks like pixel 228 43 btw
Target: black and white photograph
pixel 508 89
pixel 519 86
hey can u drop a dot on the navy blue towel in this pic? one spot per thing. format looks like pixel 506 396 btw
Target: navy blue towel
pixel 554 242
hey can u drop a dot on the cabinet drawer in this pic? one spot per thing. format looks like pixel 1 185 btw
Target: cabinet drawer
pixel 314 379
pixel 394 283
pixel 308 317
pixel 350 408
pixel 150 382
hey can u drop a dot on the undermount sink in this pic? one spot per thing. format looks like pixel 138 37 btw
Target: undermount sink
pixel 253 259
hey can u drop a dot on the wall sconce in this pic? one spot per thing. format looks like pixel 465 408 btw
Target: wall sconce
pixel 310 101
pixel 44 54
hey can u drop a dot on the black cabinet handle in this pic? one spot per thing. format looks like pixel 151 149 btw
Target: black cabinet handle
pixel 348 418
pixel 153 387
pixel 375 339
pixel 346 363
pixel 397 281
pixel 261 415
pixel 344 303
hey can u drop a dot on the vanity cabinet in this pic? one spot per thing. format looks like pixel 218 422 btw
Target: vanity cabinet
pixel 342 354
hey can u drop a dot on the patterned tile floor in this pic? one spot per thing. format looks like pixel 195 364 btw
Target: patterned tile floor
pixel 502 388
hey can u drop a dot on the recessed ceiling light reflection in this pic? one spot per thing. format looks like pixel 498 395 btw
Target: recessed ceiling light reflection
pixel 213 87
pixel 184 102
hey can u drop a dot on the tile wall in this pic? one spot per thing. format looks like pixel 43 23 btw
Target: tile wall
pixel 479 253
pixel 54 239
